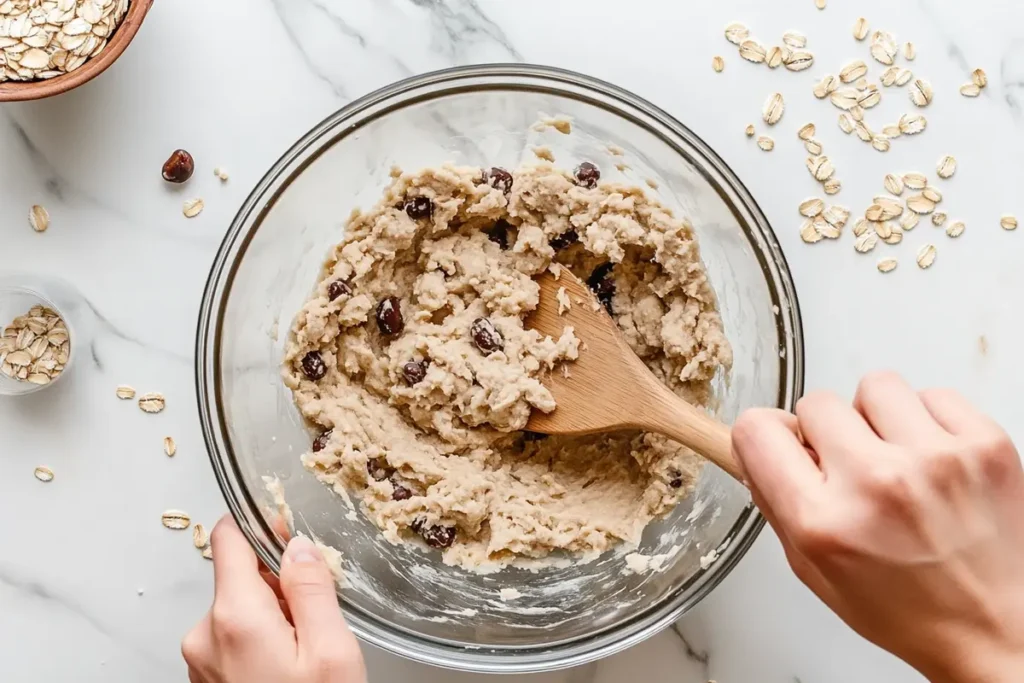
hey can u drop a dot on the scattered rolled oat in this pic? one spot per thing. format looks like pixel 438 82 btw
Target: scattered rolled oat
pixel 193 207
pixel 718 64
pixel 176 520
pixel 813 147
pixel 223 174
pixel 809 232
pixel 920 204
pixel 43 473
pixel 895 234
pixel 1008 222
pixel 826 229
pixel 857 113
pixel 938 218
pixel 861 227
pixel 208 552
pixel 799 60
pixel 881 143
pixel 170 448
pixel 736 33
pixel 820 4
pixel 125 392
pixel 765 143
pixel 932 194
pixel 200 539
pixel 794 39
pixel 892 131
pixel 809 208
pixel 946 167
pixel 889 76
pixel 152 403
pixel 836 216
pixel 832 186
pixel 845 124
pixel 845 98
pixel 970 90
pixel 909 220
pixel 915 181
pixel 926 256
pixel 921 93
pixel 883 48
pixel 887 265
pixel 893 184
pixel 826 86
pixel 773 109
pixel 860 29
pixel 775 57
pixel 955 229
pixel 750 130
pixel 853 71
pixel 38 217
pixel 752 51
pixel 884 209
pixel 820 168
pixel 909 51
pixel 883 230
pixel 865 242
pixel 806 131
pixel 979 78
pixel 912 124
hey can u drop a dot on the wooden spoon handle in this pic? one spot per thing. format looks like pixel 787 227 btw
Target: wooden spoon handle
pixel 675 418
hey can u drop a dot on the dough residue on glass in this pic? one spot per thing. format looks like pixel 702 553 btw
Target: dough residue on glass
pixel 412 361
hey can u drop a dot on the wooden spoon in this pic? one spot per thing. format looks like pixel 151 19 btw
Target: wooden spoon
pixel 608 387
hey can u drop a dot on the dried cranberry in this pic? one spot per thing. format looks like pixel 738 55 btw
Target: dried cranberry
pixel 419 207
pixel 486 337
pixel 498 233
pixel 587 175
pixel 320 442
pixel 179 167
pixel 534 436
pixel 414 371
pixel 500 179
pixel 400 492
pixel 438 536
pixel 389 315
pixel 602 284
pixel 562 241
pixel 676 483
pixel 313 365
pixel 337 288
pixel 379 469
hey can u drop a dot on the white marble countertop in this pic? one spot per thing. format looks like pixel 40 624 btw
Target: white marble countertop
pixel 92 588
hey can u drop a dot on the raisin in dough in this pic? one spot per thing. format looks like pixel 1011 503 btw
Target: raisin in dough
pixel 423 423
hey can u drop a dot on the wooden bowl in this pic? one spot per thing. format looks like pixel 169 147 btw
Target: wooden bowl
pixel 20 91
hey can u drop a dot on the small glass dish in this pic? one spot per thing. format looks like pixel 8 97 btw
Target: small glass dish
pixel 18 300
pixel 400 598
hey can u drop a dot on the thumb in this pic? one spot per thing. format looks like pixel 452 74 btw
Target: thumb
pixel 308 587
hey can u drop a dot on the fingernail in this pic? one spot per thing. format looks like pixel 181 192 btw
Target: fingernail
pixel 302 551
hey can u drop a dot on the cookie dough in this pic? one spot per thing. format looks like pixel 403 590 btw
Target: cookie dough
pixel 413 364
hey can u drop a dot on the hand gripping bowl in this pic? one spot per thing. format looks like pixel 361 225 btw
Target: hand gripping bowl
pixel 401 598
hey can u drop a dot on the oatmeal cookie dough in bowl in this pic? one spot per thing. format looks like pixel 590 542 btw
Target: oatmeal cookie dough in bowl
pixel 408 375
pixel 412 360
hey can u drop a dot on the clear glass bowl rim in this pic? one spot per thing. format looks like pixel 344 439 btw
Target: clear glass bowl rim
pixel 244 508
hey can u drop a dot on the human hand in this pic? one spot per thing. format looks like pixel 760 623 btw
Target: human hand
pixel 261 630
pixel 905 514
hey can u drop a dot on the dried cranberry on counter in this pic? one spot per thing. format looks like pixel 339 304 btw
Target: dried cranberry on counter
pixel 179 167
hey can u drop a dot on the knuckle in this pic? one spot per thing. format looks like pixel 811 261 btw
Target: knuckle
pixel 996 455
pixel 335 665
pixel 813 535
pixel 193 647
pixel 228 626
pixel 876 384
pixel 891 484
pixel 947 467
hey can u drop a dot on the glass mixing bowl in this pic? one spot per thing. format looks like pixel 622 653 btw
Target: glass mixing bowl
pixel 402 598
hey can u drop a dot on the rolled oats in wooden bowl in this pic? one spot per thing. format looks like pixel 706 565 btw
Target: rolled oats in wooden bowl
pixel 50 46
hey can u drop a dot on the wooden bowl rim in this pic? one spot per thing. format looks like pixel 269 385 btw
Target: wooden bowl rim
pixel 21 91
